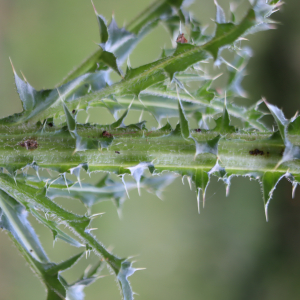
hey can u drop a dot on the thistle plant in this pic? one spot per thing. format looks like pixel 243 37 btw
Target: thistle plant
pixel 45 143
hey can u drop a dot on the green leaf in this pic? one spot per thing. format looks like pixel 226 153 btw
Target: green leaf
pixel 237 72
pixel 204 93
pixel 57 233
pixel 201 179
pixel 126 270
pixel 142 25
pixel 70 120
pixel 137 80
pixel 228 33
pixel 223 123
pixel 184 125
pixel 13 217
pixel 220 14
pixel 269 182
pixel 110 60
pixel 91 194
pixel 291 151
pixel 139 170
pixel 77 223
pixel 75 290
pixel 280 119
pixel 54 269
pixel 102 26
pixel 184 61
pixel 34 102
pixel 210 146
pixel 294 126
pixel 119 122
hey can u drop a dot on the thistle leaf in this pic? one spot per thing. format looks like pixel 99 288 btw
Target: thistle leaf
pixel 184 125
pixel 210 146
pixel 13 217
pixel 57 233
pixel 34 102
pixel 223 123
pixel 269 182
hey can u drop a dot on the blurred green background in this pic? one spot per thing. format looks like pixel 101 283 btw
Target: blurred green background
pixel 229 251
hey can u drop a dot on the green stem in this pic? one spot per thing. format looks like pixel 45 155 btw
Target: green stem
pixel 56 151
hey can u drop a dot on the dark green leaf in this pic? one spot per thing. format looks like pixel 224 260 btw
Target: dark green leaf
pixel 110 60
pixel 201 179
pixel 119 122
pixel 294 126
pixel 184 124
pixel 70 120
pixel 102 26
pixel 269 183
pixel 223 124
pixel 228 33
pixel 184 61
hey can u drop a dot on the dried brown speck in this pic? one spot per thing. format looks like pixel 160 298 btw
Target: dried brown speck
pixel 106 134
pixel 181 39
pixel 117 152
pixel 256 152
pixel 198 130
pixel 29 144
pixel 31 250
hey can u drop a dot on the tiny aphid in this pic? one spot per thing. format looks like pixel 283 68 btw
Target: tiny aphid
pixel 29 144
pixel 256 152
pixel 181 39
pixel 117 152
pixel 106 134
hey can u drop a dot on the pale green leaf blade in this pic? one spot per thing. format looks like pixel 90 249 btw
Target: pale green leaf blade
pixel 14 219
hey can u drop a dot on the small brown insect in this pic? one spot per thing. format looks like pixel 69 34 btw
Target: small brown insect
pixel 106 134
pixel 181 39
pixel 198 130
pixel 256 152
pixel 31 250
pixel 73 111
pixel 117 152
pixel 50 124
pixel 29 144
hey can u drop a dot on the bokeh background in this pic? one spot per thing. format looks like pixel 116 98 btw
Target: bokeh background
pixel 227 252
